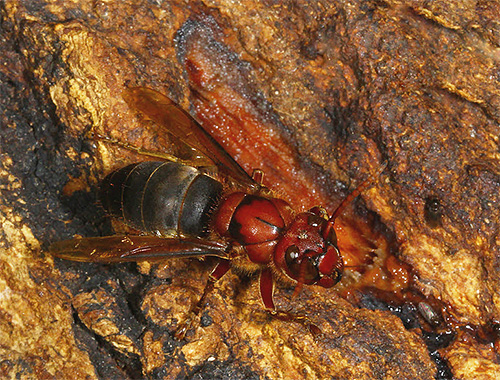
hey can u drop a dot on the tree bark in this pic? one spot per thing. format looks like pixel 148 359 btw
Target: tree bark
pixel 319 96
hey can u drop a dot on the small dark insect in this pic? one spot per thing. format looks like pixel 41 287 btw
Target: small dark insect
pixel 433 212
pixel 429 314
pixel 188 212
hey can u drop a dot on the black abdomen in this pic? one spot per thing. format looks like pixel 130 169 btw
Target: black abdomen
pixel 161 198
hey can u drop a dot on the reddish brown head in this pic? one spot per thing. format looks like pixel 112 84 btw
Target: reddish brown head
pixel 308 251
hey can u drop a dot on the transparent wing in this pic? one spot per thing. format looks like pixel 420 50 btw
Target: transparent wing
pixel 179 123
pixel 122 248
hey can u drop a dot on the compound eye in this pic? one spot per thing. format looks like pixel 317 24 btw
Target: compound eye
pixel 319 211
pixel 301 268
pixel 314 220
pixel 291 256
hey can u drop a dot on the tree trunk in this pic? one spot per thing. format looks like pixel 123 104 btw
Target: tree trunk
pixel 319 95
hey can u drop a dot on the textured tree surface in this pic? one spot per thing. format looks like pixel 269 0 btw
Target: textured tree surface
pixel 318 95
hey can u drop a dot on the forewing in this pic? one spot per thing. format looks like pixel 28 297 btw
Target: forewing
pixel 122 248
pixel 179 123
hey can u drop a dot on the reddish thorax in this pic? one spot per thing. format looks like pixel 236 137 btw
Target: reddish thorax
pixel 254 222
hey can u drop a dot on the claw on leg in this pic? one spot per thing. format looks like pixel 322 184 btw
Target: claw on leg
pixel 299 318
pixel 186 325
pixel 266 293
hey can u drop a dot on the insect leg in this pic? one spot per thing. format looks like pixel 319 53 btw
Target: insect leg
pixel 145 152
pixel 196 161
pixel 220 270
pixel 266 289
pixel 266 293
pixel 299 318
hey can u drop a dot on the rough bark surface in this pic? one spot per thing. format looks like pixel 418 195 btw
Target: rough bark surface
pixel 318 95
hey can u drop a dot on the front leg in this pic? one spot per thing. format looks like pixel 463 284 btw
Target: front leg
pixel 266 293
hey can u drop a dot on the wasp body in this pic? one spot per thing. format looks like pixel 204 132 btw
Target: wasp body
pixel 186 212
